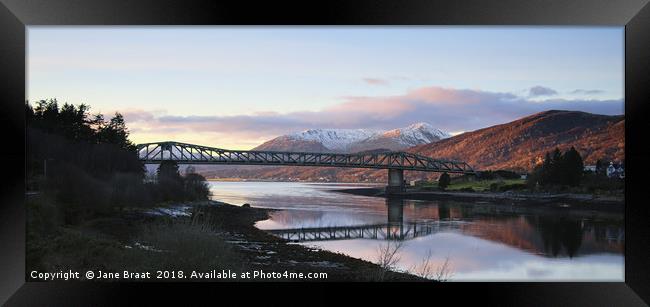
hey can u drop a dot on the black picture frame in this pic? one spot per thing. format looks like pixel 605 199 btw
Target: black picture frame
pixel 15 15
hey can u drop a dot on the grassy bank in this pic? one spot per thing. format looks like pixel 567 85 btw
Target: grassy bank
pixel 122 240
pixel 593 190
pixel 478 185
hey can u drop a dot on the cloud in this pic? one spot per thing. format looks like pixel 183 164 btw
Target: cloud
pixel 587 92
pixel 446 108
pixel 541 91
pixel 375 81
pixel 137 115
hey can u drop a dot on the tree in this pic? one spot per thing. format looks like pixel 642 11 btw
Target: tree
pixel 46 115
pixel 601 167
pixel 190 169
pixel 196 187
pixel 555 171
pixel 168 169
pixel 29 114
pixel 170 182
pixel 572 167
pixel 444 180
pixel 559 169
pixel 127 189
pixel 114 132
pixel 544 174
pixel 534 178
pixel 68 133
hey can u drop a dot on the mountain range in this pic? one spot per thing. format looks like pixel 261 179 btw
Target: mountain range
pixel 518 145
pixel 355 140
pixel 521 144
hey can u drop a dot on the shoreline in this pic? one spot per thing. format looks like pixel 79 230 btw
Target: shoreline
pixel 191 236
pixel 263 251
pixel 291 181
pixel 565 200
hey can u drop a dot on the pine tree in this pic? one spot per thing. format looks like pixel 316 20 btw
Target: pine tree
pixel 115 132
pixel 561 168
pixel 545 171
pixel 573 167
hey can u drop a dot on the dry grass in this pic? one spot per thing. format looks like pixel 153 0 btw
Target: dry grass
pixel 174 244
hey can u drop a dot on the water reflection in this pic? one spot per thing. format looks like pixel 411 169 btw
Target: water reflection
pixel 486 242
pixel 551 234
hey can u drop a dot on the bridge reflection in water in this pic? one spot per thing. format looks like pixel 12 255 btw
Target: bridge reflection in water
pixel 394 229
pixel 540 233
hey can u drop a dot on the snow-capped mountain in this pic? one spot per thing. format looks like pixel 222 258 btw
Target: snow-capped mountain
pixel 400 138
pixel 354 140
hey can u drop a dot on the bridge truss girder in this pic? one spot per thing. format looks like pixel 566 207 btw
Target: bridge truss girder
pixel 184 153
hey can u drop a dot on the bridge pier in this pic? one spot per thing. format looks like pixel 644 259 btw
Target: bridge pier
pixel 395 181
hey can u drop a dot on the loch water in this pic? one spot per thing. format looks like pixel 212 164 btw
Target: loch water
pixel 480 241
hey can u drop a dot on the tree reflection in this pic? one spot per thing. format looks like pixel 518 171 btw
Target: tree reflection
pixel 444 211
pixel 560 233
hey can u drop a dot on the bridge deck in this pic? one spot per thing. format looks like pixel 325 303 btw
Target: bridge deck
pixel 196 154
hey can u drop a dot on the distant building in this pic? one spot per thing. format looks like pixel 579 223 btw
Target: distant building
pixel 620 171
pixel 615 170
pixel 416 182
pixel 590 168
pixel 611 169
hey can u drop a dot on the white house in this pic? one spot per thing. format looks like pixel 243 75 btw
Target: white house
pixel 590 168
pixel 614 170
pixel 620 171
pixel 611 169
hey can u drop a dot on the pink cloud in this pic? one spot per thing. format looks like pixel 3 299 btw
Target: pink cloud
pixel 446 108
pixel 375 81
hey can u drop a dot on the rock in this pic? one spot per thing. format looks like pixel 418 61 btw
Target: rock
pixel 246 205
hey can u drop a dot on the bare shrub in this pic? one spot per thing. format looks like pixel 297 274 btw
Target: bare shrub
pixel 444 272
pixel 387 258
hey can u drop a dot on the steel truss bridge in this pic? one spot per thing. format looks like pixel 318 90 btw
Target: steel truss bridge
pixel 395 162
pixel 387 231
pixel 196 154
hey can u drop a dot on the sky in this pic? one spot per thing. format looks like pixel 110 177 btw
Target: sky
pixel 237 87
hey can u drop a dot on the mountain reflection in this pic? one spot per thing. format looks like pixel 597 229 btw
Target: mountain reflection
pixel 546 232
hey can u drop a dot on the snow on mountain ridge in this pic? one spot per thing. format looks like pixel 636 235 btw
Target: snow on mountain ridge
pixel 344 140
pixel 416 134
pixel 334 139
